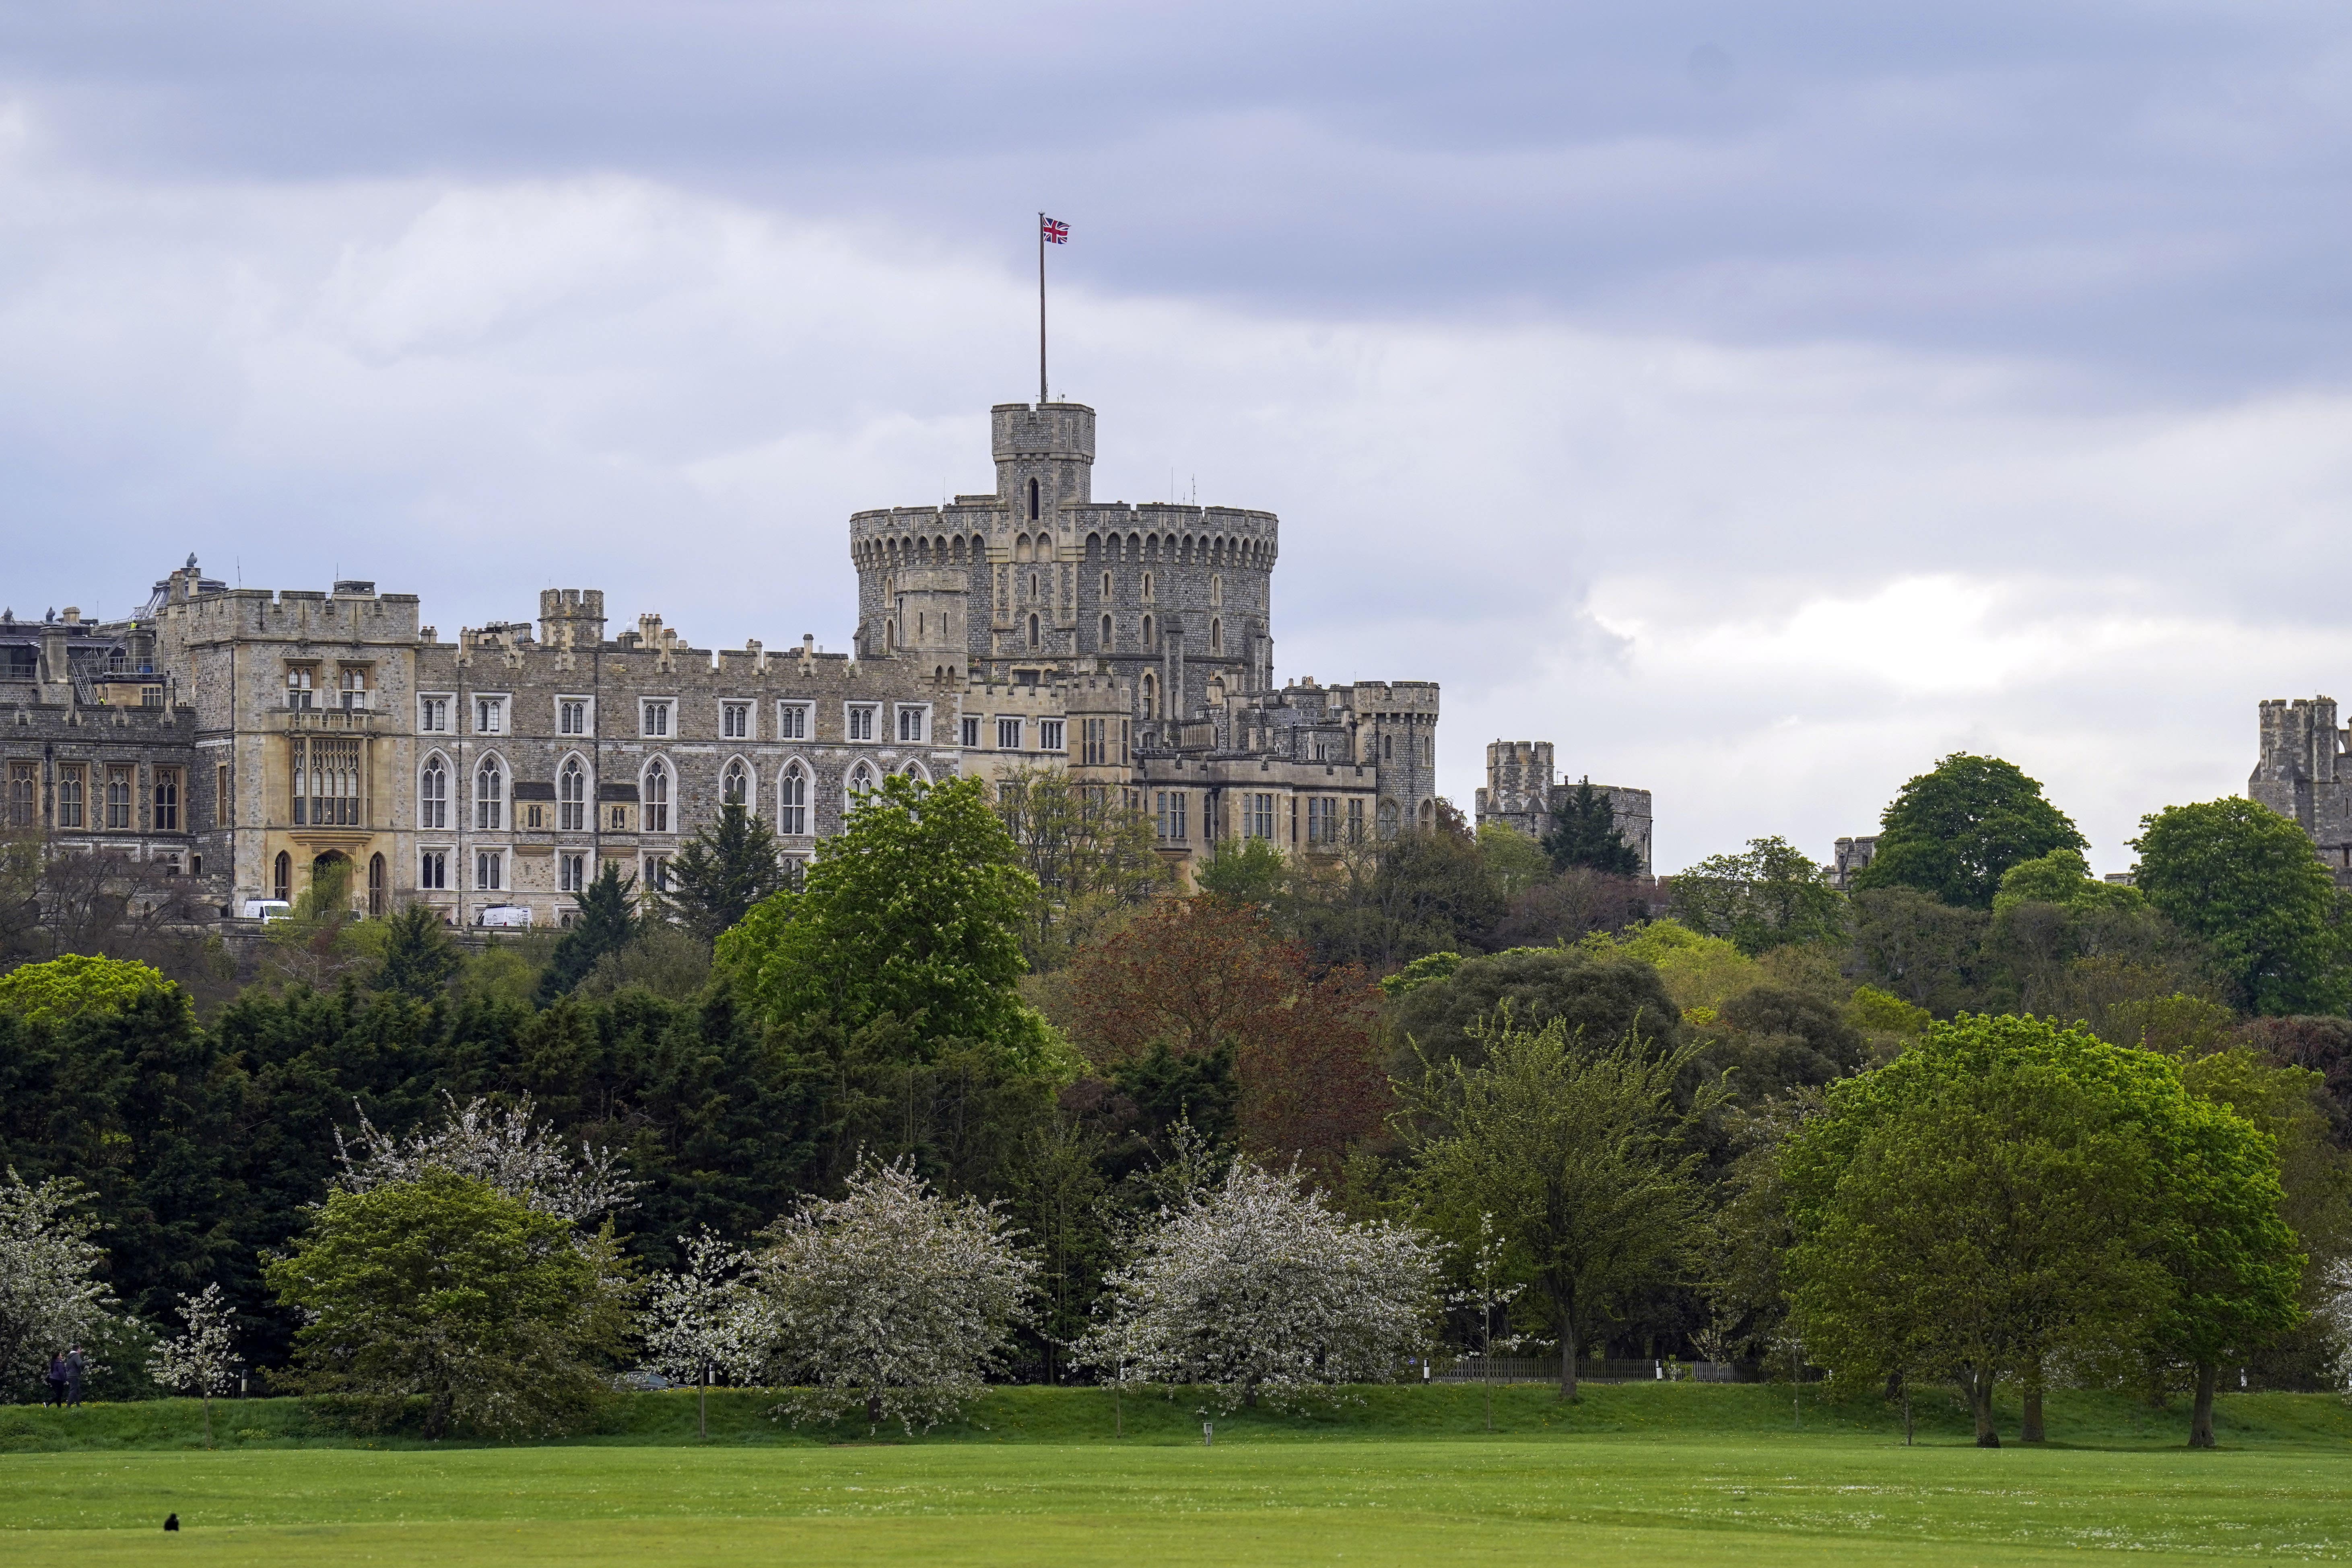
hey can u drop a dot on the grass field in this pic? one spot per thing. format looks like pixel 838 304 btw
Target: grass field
pixel 1662 1475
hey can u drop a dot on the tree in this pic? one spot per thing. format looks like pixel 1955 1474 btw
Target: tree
pixel 705 1319
pixel 445 1287
pixel 203 1359
pixel 419 958
pixel 1978 1208
pixel 892 1299
pixel 1951 832
pixel 1245 871
pixel 1769 895
pixel 314 944
pixel 1595 994
pixel 2249 883
pixel 1094 857
pixel 509 1150
pixel 913 909
pixel 1200 980
pixel 51 1295
pixel 1582 831
pixel 607 922
pixel 1923 951
pixel 731 865
pixel 76 985
pixel 1580 1155
pixel 2236 1269
pixel 1255 1288
pixel 1489 1291
pixel 1516 860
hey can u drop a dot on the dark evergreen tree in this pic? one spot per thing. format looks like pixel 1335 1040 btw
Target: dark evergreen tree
pixel 418 956
pixel 607 922
pixel 731 865
pixel 1583 832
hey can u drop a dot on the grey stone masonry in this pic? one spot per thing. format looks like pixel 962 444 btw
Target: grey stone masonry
pixel 1522 789
pixel 2302 774
pixel 1031 626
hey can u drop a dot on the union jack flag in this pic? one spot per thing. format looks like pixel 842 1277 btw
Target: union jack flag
pixel 1055 231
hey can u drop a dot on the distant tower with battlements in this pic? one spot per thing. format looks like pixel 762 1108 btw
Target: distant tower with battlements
pixel 1521 790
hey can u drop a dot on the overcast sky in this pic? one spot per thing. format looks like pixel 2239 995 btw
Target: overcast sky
pixel 1759 402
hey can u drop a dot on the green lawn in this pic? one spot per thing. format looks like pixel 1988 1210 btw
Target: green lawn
pixel 1655 1475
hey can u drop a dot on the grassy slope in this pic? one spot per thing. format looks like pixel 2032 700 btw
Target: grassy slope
pixel 1085 1416
pixel 1649 1474
pixel 1664 1499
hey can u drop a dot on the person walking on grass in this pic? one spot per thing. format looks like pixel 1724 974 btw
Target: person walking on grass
pixel 76 1370
pixel 57 1379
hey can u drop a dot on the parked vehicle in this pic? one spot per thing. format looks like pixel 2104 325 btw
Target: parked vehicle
pixel 267 909
pixel 510 917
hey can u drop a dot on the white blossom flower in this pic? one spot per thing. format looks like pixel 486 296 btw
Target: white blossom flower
pixel 1255 1287
pixel 50 1296
pixel 202 1361
pixel 508 1149
pixel 893 1297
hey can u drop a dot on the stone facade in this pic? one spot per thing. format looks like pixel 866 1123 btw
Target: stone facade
pixel 96 745
pixel 1033 626
pixel 2303 774
pixel 1523 787
pixel 1848 859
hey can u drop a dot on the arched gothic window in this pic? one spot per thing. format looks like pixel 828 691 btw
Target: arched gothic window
pixel 489 794
pixel 1033 500
pixel 433 795
pixel 1388 819
pixel 1150 695
pixel 1147 632
pixel 282 884
pixel 861 779
pixel 657 804
pixel 1216 636
pixel 1106 636
pixel 1033 631
pixel 791 801
pixel 735 785
pixel 571 798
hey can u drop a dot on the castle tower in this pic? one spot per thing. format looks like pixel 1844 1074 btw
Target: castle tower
pixel 571 617
pixel 1044 458
pixel 2301 775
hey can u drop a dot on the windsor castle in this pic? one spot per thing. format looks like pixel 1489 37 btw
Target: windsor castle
pixel 244 738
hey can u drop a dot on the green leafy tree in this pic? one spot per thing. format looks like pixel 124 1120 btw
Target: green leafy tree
pixel 1925 952
pixel 442 1287
pixel 419 958
pixel 913 909
pixel 1578 1157
pixel 75 985
pixel 1245 871
pixel 1095 857
pixel 1582 831
pixel 1952 833
pixel 1978 1208
pixel 1515 860
pixel 2249 883
pixel 1454 1008
pixel 732 864
pixel 1769 895
pixel 608 924
pixel 317 941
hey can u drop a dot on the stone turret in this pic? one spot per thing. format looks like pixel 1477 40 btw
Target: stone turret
pixel 2302 774
pixel 1045 458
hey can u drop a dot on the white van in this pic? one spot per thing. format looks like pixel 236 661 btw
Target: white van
pixel 267 909
pixel 511 917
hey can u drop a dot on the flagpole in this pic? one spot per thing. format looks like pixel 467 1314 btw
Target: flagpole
pixel 1041 308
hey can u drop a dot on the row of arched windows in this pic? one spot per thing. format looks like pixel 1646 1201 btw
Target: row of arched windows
pixel 737 786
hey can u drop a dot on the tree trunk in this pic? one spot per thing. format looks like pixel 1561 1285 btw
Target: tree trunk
pixel 208 1418
pixel 873 1406
pixel 702 1406
pixel 1567 1359
pixel 1979 1382
pixel 2029 1430
pixel 2200 1415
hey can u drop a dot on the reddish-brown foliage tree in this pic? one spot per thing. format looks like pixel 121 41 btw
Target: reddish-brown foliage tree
pixel 1198 975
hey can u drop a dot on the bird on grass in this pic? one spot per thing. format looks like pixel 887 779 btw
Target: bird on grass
pixel 170 1521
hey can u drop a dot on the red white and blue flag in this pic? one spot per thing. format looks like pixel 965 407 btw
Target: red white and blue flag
pixel 1053 230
